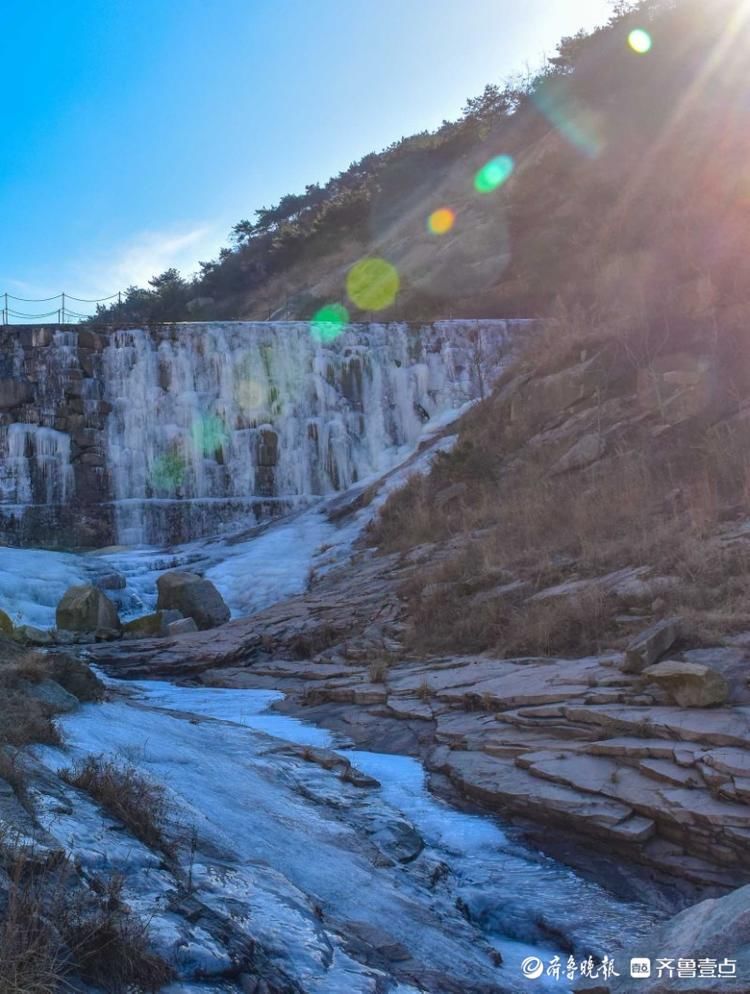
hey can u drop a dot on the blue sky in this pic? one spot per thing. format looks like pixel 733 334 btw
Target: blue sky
pixel 136 132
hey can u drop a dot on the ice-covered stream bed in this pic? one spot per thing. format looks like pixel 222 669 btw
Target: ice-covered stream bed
pixel 348 888
pixel 251 571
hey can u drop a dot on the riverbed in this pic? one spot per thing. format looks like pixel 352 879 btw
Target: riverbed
pixel 347 888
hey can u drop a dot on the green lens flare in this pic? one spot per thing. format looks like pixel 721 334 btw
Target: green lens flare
pixel 209 434
pixel 494 174
pixel 372 284
pixel 328 323
pixel 168 472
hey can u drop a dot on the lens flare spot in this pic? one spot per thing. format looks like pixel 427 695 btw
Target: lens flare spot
pixel 209 434
pixel 372 284
pixel 640 41
pixel 494 174
pixel 578 123
pixel 251 395
pixel 168 472
pixel 441 221
pixel 328 323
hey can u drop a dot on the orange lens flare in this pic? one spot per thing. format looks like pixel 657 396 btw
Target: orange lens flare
pixel 441 221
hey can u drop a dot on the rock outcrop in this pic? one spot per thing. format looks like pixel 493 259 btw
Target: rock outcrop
pixel 690 685
pixel 86 609
pixel 703 950
pixel 193 596
pixel 647 647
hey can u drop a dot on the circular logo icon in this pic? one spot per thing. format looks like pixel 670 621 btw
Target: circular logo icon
pixel 532 968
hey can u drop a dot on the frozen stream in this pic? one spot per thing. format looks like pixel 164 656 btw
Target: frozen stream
pixel 331 879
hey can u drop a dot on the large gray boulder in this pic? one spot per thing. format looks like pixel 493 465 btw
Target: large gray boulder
pixel 193 596
pixel 86 609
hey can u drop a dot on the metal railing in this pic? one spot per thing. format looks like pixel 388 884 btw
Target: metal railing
pixel 63 313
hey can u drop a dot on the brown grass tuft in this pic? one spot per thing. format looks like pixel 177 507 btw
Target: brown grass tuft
pixel 140 804
pixel 55 931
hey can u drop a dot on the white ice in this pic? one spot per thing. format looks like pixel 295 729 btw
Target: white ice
pixel 251 573
pixel 246 796
pixel 32 581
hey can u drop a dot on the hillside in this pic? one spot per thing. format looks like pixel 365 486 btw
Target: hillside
pixel 420 652
pixel 617 186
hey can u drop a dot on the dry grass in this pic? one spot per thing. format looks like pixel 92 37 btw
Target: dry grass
pixel 140 804
pixel 32 957
pixel 55 931
pixel 655 499
pixel 25 720
pixel 378 670
pixel 110 946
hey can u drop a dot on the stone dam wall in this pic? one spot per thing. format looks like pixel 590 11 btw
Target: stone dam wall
pixel 163 434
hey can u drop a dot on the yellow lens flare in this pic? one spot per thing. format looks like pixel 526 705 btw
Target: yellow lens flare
pixel 250 395
pixel 372 284
pixel 441 221
pixel 640 41
pixel 328 323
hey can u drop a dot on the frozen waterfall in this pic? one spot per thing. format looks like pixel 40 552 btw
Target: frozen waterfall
pixel 175 432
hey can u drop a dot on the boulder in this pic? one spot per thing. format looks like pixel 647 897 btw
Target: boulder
pixel 690 685
pixel 547 396
pixel 449 494
pixel 86 609
pixel 193 596
pixel 6 625
pixel 52 695
pixel 74 676
pixel 154 625
pixel 646 648
pixel 107 634
pixel 183 626
pixel 30 635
